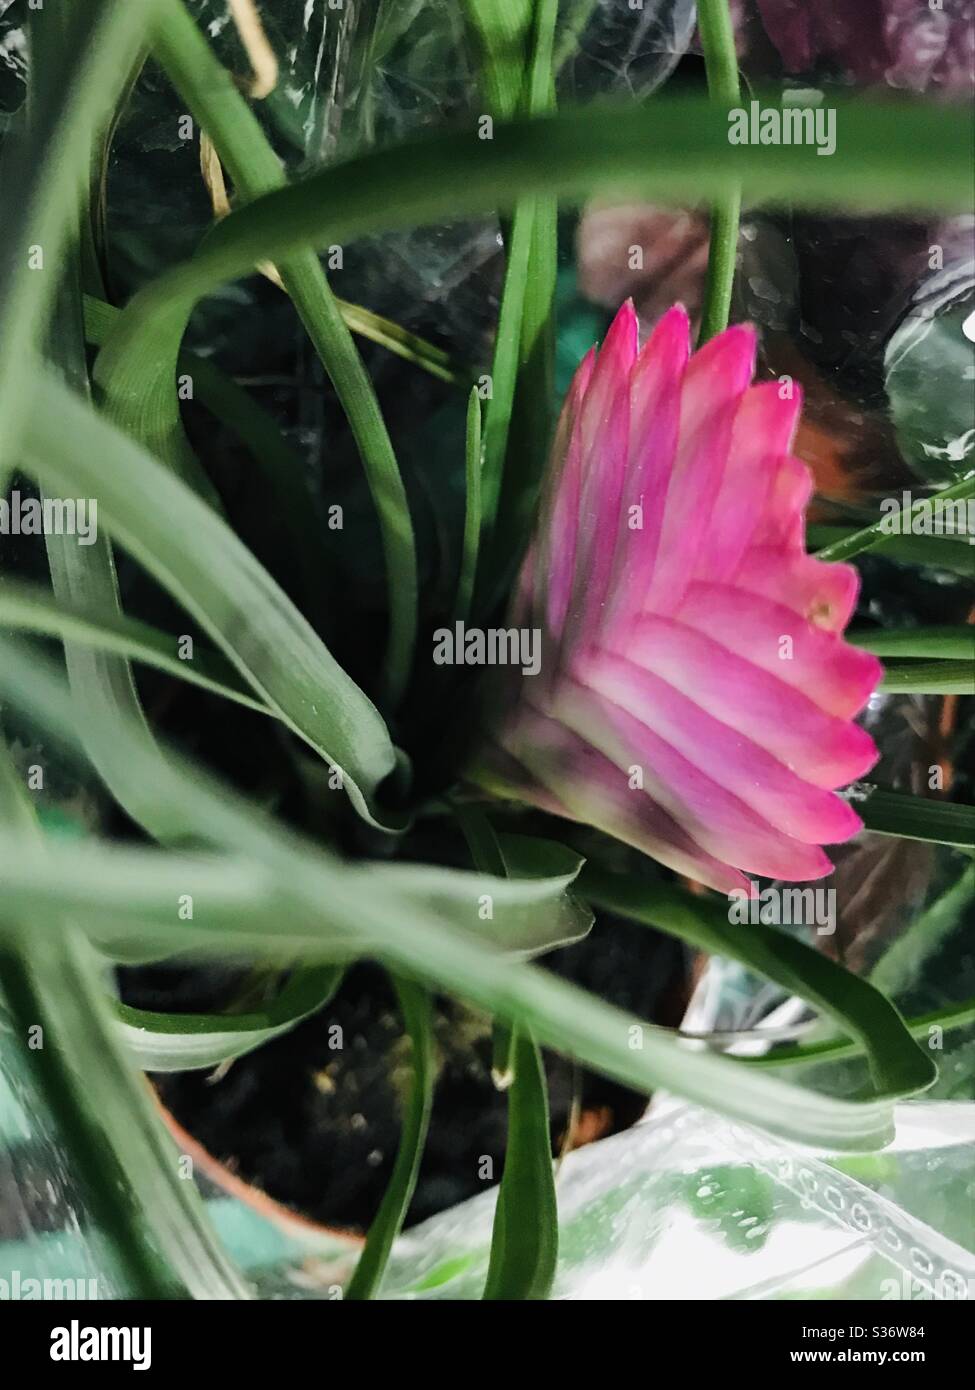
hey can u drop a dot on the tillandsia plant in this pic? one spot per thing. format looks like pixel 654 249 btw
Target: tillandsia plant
pixel 379 614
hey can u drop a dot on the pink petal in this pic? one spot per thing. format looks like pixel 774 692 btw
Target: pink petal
pixel 838 678
pixel 825 750
pixel 569 772
pixel 824 594
pixel 560 509
pixel 720 822
pixel 655 388
pixel 603 428
pixel 783 524
pixel 762 434
pixel 734 762
pixel 715 380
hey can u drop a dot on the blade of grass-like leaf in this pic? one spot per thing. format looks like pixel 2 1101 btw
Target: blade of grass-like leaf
pixel 916 817
pixel 721 62
pixel 485 850
pixel 898 1065
pixel 930 677
pixel 483 843
pixel 415 1006
pixel 561 1015
pixel 925 509
pixel 29 608
pixel 84 576
pixel 938 551
pixel 516 37
pixel 423 943
pixel 943 642
pixel 153 1219
pixel 44 186
pixel 129 895
pixel 525 1238
pixel 281 466
pixel 951 555
pixel 190 1042
pixel 532 413
pixel 576 153
pixel 838 1050
pixel 572 27
pixel 399 340
pixel 214 100
pixel 503 32
pixel 903 960
pixel 472 509
pixel 197 557
pixel 504 365
pixel 532 904
pixel 114 1134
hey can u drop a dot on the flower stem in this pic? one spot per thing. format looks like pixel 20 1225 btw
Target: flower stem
pixel 720 60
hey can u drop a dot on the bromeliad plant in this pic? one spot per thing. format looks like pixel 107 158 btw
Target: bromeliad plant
pixel 695 696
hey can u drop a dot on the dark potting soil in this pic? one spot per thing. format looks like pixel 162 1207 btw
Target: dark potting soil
pixel 313 1118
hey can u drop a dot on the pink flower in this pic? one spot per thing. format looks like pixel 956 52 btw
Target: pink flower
pixel 695 697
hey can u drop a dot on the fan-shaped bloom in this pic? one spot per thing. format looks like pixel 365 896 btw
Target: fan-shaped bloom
pixel 695 695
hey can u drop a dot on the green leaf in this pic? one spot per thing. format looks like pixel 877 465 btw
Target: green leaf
pixel 197 557
pixel 525 1239
pixel 503 31
pixel 898 1065
pixel 414 939
pixel 915 817
pixel 830 1050
pixel 472 509
pixel 153 1219
pixel 144 399
pixel 168 1042
pixel 955 556
pixel 930 677
pixel 585 151
pixel 118 1148
pixel 531 910
pixel 880 534
pixel 281 466
pixel 943 642
pixel 417 1013
pixel 29 608
pixel 84 576
pixel 903 960
pixel 45 181
pixel 516 38
pixel 504 366
pixel 129 895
